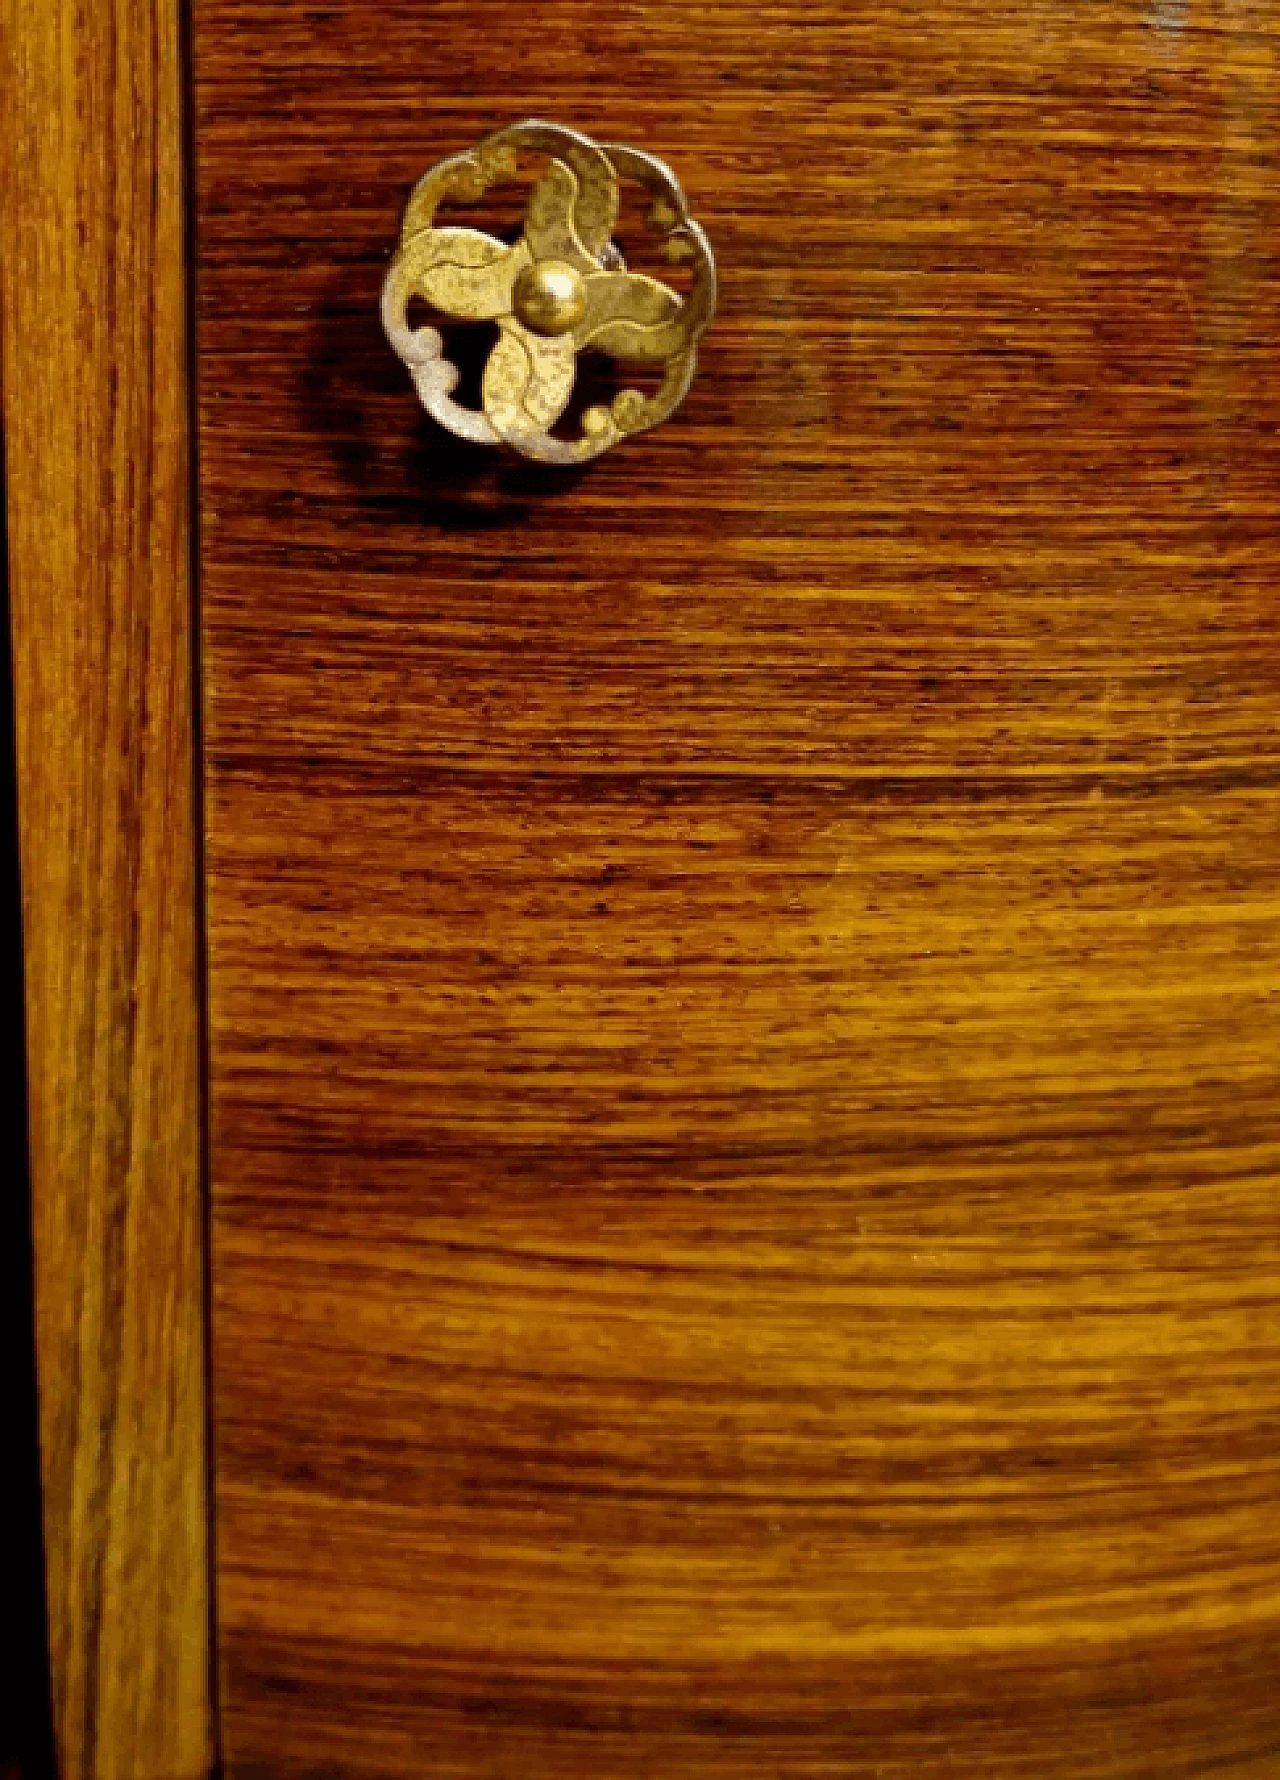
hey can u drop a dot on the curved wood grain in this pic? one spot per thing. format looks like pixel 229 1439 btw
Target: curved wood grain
pixel 744 982
pixel 95 387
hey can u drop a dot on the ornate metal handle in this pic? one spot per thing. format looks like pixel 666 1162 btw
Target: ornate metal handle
pixel 562 288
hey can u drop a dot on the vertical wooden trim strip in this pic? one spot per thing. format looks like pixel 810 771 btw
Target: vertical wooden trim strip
pixel 96 439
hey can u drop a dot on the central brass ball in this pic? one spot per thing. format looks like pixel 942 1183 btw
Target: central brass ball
pixel 550 297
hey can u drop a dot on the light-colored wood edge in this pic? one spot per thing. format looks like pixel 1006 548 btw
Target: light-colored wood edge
pixel 97 450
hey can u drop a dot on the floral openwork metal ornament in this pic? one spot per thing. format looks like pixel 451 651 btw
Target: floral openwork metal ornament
pixel 562 289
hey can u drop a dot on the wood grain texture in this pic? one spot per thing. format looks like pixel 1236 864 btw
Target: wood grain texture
pixel 744 983
pixel 95 393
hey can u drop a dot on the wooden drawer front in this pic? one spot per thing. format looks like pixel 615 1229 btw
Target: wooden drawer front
pixel 743 982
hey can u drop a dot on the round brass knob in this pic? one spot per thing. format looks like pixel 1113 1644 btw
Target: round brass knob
pixel 550 297
pixel 559 290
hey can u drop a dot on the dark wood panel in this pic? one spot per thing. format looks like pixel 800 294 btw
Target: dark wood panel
pixel 96 432
pixel 744 981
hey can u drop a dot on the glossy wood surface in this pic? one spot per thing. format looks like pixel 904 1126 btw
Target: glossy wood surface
pixel 744 982
pixel 92 264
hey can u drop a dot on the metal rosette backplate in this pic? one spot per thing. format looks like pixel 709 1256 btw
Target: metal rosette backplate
pixel 560 290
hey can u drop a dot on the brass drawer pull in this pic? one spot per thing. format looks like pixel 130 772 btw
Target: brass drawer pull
pixel 561 289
